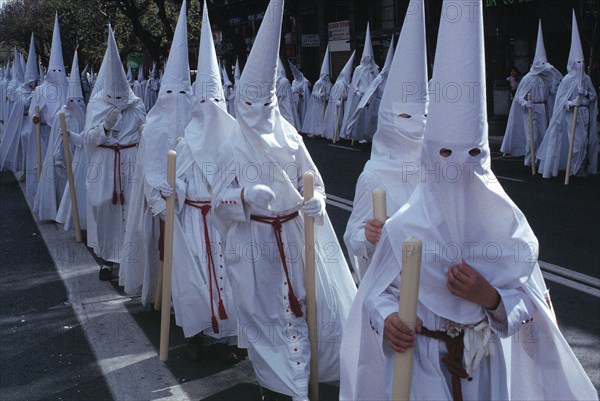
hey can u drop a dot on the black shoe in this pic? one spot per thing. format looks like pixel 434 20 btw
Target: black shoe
pixel 105 273
pixel 194 348
pixel 268 395
pixel 223 353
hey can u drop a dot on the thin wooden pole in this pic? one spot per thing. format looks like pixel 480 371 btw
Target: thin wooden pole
pixel 165 317
pixel 571 144
pixel 531 136
pixel 70 175
pixel 311 291
pixel 38 142
pixel 407 313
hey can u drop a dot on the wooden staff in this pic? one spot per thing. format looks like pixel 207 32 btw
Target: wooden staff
pixel 71 177
pixel 336 133
pixel 311 290
pixel 38 141
pixel 571 143
pixel 165 317
pixel 379 205
pixel 407 313
pixel 531 136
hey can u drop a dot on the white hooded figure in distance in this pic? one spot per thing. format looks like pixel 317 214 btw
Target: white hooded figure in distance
pixel 74 110
pixel 575 90
pixel 468 296
pixel 315 111
pixel 368 106
pixel 541 82
pixel 202 296
pixel 334 113
pixel 111 136
pixel 165 122
pixel 227 89
pixel 19 95
pixel 237 73
pixel 3 99
pixel 139 85
pixel 54 171
pixel 285 97
pixel 396 152
pixel 259 207
pixel 301 93
pixel 152 87
pixel 50 96
pixel 363 75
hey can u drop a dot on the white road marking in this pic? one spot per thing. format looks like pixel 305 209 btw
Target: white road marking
pixel 345 147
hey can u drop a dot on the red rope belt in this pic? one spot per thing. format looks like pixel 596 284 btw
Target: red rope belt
pixel 117 170
pixel 204 207
pixel 453 360
pixel 276 222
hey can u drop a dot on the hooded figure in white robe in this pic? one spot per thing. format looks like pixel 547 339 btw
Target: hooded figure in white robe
pixel 575 90
pixel 19 94
pixel 237 73
pixel 315 110
pixel 334 113
pixel 474 290
pixel 257 207
pixel 368 106
pixel 86 85
pixel 152 88
pixel 54 171
pixel 541 82
pixel 50 96
pixel 16 79
pixel 110 137
pixel 363 75
pixel 3 100
pixel 301 93
pixel 202 296
pixel 396 152
pixel 74 110
pixel 139 85
pixel 165 122
pixel 285 97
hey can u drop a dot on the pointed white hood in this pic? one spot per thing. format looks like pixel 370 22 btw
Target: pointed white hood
pixel 459 200
pixel 140 75
pixel 540 61
pixel 116 87
pixel 401 118
pixel 389 57
pixel 226 80
pixel 367 55
pixel 129 74
pixel 575 63
pixel 56 67
pixel 31 70
pixel 17 72
pixel 325 65
pixel 171 113
pixel 298 76
pixel 346 73
pixel 208 85
pixel 238 72
pixel 74 92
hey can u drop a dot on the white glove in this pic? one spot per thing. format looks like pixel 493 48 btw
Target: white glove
pixel 528 105
pixel 111 119
pixel 165 189
pixel 315 206
pixel 479 342
pixel 259 195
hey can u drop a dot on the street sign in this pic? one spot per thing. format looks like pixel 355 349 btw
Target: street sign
pixel 339 30
pixel 310 40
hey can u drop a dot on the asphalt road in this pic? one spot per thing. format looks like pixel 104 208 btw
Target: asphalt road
pixel 67 336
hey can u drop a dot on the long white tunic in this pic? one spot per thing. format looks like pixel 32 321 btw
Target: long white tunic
pixel 80 167
pixel 361 79
pixel 542 88
pixel 301 93
pixel 554 149
pixel 334 114
pixel 315 111
pixel 11 148
pixel 106 221
pixel 276 338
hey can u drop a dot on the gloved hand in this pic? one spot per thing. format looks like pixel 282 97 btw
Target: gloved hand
pixel 528 105
pixel 478 344
pixel 315 206
pixel 111 119
pixel 259 195
pixel 165 189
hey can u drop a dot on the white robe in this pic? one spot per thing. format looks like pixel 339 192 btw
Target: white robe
pixel 11 147
pixel 192 281
pixel 107 221
pixel 277 339
pixel 367 110
pixel 543 88
pixel 151 93
pixel 334 113
pixel 80 167
pixel 285 98
pixel 554 149
pixel 54 170
pixel 361 79
pixel 301 94
pixel 315 111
